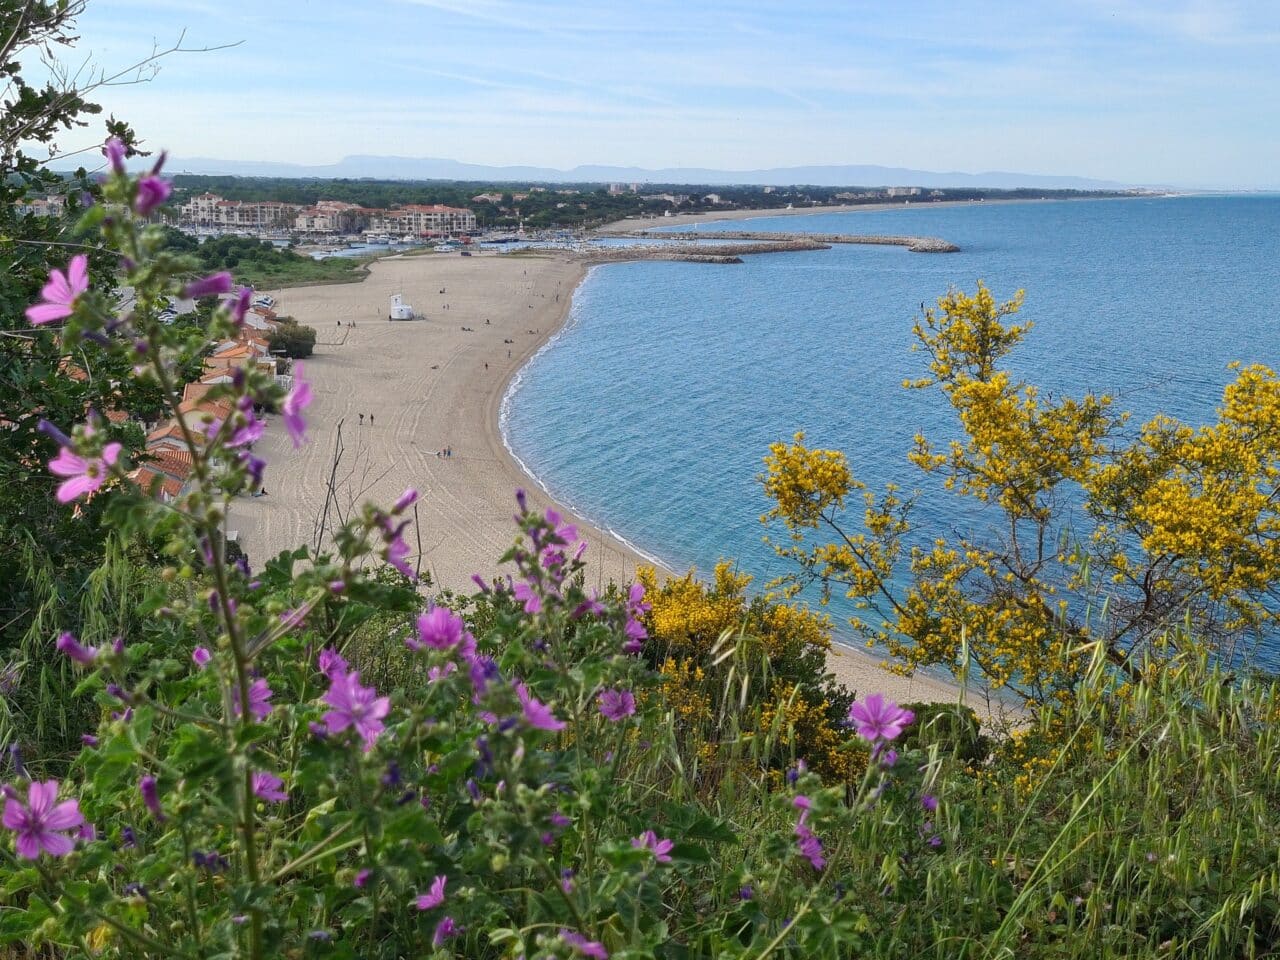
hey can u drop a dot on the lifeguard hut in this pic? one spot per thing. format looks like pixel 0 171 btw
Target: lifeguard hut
pixel 401 310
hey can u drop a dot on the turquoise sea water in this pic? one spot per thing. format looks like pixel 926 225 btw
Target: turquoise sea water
pixel 651 411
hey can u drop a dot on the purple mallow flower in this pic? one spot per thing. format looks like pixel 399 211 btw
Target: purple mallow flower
pixel 362 878
pixel 806 840
pixel 660 848
pixel 299 399
pixel 212 285
pixel 332 663
pixel 879 719
pixel 616 705
pixel 929 802
pixel 67 644
pixel 433 897
pixel 260 694
pixel 201 656
pixel 42 824
pixel 536 713
pixel 152 191
pixel 583 946
pixel 239 305
pixel 267 786
pixel 247 434
pixel 483 671
pixel 445 929
pixel 114 151
pixel 440 672
pixel 355 706
pixel 524 592
pixel 634 629
pixel 809 844
pixel 58 296
pixel 150 796
pixel 406 500
pixel 442 629
pixel 84 474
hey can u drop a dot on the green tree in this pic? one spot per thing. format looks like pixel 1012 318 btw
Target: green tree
pixel 293 339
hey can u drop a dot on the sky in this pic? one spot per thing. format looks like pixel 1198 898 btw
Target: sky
pixel 1176 92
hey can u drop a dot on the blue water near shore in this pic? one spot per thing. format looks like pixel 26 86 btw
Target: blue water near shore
pixel 650 413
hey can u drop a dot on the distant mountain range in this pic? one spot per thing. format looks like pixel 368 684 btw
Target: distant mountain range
pixel 427 168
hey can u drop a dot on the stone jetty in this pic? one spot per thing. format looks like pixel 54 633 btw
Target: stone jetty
pixel 913 244
pixel 702 253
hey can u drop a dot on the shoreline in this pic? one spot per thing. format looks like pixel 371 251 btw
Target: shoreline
pixel 438 384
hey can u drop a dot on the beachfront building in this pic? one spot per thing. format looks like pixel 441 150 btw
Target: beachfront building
pixel 211 210
pixel 331 216
pixel 424 220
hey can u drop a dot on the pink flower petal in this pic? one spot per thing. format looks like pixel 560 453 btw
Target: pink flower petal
pixel 67 464
pixel 64 816
pixel 77 487
pixel 57 844
pixel 78 274
pixel 47 312
pixel 40 796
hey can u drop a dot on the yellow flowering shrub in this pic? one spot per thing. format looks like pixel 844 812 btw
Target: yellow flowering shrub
pixel 807 722
pixel 1180 522
pixel 760 662
pixel 682 686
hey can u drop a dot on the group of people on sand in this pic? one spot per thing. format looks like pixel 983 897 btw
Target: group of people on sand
pixel 370 419
pixel 445 452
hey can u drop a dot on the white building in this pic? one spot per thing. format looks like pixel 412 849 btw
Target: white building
pixel 211 210
pixel 422 220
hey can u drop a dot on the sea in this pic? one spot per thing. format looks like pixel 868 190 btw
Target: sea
pixel 650 413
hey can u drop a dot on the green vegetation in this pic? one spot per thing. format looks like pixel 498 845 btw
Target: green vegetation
pixel 302 757
pixel 262 265
pixel 293 339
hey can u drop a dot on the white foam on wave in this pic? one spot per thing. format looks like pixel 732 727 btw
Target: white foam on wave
pixel 504 418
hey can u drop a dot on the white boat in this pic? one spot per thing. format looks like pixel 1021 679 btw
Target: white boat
pixel 407 238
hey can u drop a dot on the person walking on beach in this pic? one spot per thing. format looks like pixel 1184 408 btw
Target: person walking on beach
pixel 362 419
pixel 371 419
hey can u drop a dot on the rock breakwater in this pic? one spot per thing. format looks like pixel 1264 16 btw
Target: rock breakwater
pixel 913 244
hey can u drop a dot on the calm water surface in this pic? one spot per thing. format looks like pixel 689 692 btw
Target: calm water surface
pixel 651 412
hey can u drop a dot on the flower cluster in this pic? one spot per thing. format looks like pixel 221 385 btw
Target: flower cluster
pixel 504 751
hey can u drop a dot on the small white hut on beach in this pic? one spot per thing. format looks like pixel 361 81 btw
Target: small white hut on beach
pixel 401 310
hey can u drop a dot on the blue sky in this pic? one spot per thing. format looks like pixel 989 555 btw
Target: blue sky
pixel 1180 92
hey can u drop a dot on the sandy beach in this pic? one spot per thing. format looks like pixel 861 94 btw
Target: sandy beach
pixel 431 385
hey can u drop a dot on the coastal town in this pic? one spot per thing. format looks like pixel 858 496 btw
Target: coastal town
pixel 326 219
